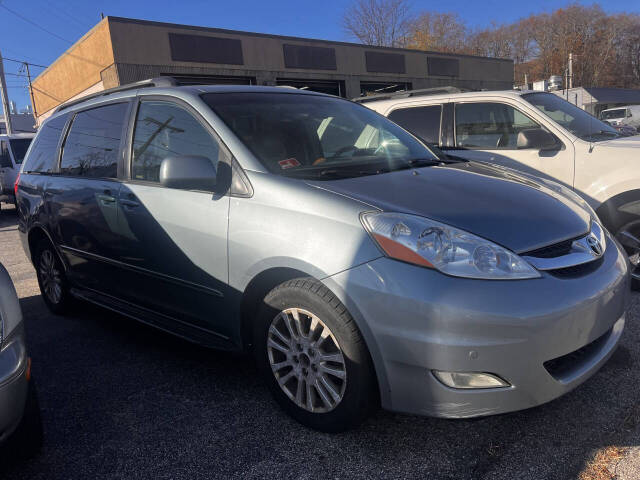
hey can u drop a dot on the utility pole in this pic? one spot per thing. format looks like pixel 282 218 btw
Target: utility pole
pixel 526 81
pixel 33 100
pixel 5 98
pixel 571 70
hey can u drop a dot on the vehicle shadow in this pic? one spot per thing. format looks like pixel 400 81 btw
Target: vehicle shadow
pixel 121 399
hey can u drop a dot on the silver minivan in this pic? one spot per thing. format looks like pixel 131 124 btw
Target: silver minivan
pixel 359 266
pixel 12 151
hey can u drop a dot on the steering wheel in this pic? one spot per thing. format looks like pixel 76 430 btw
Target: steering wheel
pixel 503 141
pixel 343 150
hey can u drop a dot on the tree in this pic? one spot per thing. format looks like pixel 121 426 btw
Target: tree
pixel 383 23
pixel 440 32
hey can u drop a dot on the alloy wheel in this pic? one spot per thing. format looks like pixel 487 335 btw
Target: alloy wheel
pixel 306 360
pixel 629 238
pixel 50 276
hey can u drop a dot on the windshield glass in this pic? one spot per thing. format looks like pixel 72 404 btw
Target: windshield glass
pixel 577 121
pixel 318 137
pixel 609 114
pixel 19 148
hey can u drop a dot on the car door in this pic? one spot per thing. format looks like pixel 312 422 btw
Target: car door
pixel 488 131
pixel 82 196
pixel 174 241
pixel 5 167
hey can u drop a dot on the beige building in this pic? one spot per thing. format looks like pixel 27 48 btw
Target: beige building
pixel 118 51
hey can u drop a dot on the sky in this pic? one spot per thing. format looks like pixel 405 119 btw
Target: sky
pixel 39 31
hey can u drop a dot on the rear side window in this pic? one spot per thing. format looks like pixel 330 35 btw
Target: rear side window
pixel 5 157
pixel 93 143
pixel 19 148
pixel 424 122
pixel 164 129
pixel 42 156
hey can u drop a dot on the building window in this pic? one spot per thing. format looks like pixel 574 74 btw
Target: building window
pixel 443 67
pixel 314 58
pixel 379 62
pixel 205 49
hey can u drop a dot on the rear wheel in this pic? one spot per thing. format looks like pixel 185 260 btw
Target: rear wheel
pixel 629 237
pixel 313 356
pixel 51 279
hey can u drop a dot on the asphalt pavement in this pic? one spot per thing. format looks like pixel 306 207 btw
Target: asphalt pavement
pixel 113 398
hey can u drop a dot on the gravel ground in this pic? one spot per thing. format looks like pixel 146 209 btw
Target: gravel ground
pixel 117 399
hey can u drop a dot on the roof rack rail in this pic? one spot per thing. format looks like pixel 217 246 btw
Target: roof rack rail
pixel 411 93
pixel 151 82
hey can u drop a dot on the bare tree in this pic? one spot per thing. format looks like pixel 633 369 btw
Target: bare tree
pixel 384 23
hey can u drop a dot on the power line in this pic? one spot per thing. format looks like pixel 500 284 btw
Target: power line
pixel 15 74
pixel 23 62
pixel 34 24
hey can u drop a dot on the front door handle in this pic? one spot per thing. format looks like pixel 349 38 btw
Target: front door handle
pixel 106 200
pixel 129 203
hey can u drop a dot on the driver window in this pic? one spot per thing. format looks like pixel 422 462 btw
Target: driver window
pixel 489 126
pixel 164 129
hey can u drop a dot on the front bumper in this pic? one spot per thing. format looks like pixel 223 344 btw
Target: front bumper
pixel 13 382
pixel 544 336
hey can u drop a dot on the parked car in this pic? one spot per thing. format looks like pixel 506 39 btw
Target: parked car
pixel 628 115
pixel 355 263
pixel 14 363
pixel 624 130
pixel 12 150
pixel 538 133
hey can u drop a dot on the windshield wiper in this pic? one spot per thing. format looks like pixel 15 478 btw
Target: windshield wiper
pixel 603 132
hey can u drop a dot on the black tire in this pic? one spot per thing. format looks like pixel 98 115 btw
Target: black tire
pixel 631 248
pixel 58 304
pixel 360 388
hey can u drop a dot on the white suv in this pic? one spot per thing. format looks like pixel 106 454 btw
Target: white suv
pixel 534 132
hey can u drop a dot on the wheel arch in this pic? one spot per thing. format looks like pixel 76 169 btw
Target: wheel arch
pixel 258 288
pixel 267 280
pixel 36 234
pixel 620 210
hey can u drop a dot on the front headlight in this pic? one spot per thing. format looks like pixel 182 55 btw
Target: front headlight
pixel 432 244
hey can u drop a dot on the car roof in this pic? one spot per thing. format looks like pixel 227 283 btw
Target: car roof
pixel 401 97
pixel 165 85
pixel 16 136
pixel 620 107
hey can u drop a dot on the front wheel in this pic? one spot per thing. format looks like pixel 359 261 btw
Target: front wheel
pixel 313 356
pixel 629 237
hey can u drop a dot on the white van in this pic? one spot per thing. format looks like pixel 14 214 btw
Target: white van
pixel 628 115
pixel 537 133
pixel 12 151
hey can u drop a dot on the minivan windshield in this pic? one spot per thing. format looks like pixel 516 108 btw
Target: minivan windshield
pixel 318 137
pixel 577 121
pixel 617 113
pixel 19 148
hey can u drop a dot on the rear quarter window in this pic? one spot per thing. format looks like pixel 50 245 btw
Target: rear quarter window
pixel 42 157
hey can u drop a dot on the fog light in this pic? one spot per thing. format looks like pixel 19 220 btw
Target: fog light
pixel 470 379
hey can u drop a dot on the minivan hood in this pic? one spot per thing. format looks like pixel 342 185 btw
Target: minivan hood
pixel 494 203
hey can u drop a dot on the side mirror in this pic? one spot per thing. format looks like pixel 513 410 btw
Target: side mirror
pixel 188 172
pixel 537 139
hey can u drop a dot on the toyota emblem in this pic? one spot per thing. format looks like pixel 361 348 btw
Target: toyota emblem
pixel 594 244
